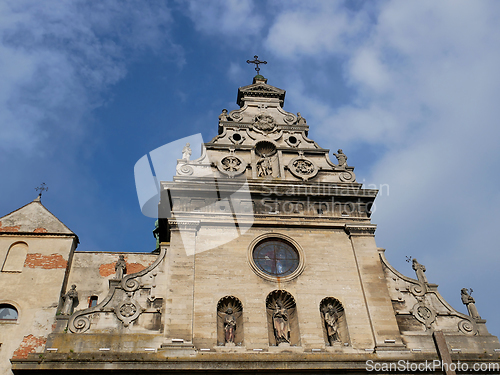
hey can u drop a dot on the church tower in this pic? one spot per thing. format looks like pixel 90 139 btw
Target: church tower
pixel 266 261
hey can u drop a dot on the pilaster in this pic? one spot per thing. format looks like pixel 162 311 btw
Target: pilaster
pixel 378 303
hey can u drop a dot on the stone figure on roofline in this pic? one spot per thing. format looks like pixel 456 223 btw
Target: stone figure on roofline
pixel 341 158
pixel 69 299
pixel 301 120
pixel 186 152
pixel 224 116
pixel 120 267
pixel 419 270
pixel 281 324
pixel 469 301
pixel 229 326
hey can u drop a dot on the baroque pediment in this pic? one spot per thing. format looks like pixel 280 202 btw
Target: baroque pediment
pixel 260 89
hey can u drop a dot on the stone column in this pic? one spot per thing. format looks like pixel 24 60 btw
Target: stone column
pixel 383 322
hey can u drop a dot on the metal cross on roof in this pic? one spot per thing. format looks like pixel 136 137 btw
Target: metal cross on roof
pixel 41 189
pixel 256 62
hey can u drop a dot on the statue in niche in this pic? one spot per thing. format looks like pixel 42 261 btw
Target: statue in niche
pixel 281 324
pixel 69 299
pixel 120 267
pixel 469 301
pixel 224 116
pixel 332 326
pixel 229 326
pixel 419 270
pixel 301 120
pixel 341 158
pixel 186 152
pixel 264 166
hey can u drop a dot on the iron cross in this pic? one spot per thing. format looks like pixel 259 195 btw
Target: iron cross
pixel 256 62
pixel 41 189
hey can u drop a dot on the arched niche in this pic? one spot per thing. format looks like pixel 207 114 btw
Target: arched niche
pixel 282 321
pixel 229 321
pixel 16 256
pixel 334 321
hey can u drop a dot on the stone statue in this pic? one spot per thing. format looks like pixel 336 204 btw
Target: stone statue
pixel 469 301
pixel 120 267
pixel 229 326
pixel 186 152
pixel 264 167
pixel 419 270
pixel 281 324
pixel 301 120
pixel 331 322
pixel 341 158
pixel 69 300
pixel 224 116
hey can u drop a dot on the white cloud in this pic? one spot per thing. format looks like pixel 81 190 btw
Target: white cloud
pixel 230 18
pixel 56 58
pixel 313 28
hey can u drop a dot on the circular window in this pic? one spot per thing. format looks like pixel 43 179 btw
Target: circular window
pixel 275 257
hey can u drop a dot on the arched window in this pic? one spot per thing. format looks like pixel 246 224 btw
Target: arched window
pixel 8 313
pixel 16 256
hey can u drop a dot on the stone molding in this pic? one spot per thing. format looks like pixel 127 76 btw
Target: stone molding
pixel 360 230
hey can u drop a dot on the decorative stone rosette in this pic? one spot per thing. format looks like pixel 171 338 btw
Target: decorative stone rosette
pixel 303 168
pixel 128 311
pixel 231 165
pixel 424 314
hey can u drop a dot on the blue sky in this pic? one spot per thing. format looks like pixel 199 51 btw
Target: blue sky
pixel 409 90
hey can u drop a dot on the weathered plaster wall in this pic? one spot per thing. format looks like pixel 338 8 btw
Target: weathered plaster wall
pixel 34 292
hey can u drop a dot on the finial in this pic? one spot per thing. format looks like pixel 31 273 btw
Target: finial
pixel 40 190
pixel 256 62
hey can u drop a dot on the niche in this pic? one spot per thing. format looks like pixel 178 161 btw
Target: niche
pixel 334 322
pixel 229 321
pixel 16 256
pixel 282 321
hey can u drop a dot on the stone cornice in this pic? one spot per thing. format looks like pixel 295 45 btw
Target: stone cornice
pixel 184 225
pixel 361 230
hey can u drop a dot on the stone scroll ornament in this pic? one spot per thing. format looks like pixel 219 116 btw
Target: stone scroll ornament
pixel 231 165
pixel 120 300
pixel 303 167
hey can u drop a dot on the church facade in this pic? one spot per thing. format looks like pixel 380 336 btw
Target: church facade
pixel 266 262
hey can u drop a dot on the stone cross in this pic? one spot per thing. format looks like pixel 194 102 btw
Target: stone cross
pixel 41 189
pixel 256 62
